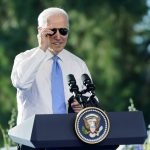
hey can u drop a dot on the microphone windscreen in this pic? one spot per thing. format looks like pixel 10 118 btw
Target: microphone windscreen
pixel 71 79
pixel 85 78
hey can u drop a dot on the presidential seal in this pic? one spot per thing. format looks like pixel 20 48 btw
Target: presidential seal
pixel 92 125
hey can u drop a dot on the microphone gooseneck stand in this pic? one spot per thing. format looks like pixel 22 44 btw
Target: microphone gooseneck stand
pixel 84 101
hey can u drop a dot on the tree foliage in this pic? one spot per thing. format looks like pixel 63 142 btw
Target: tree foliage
pixel 103 33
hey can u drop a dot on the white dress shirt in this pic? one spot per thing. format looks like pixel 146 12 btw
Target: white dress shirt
pixel 31 75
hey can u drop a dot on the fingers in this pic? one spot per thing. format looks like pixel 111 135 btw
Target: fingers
pixel 43 38
pixel 50 33
pixel 44 32
pixel 76 106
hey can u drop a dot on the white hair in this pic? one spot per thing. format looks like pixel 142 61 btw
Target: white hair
pixel 42 18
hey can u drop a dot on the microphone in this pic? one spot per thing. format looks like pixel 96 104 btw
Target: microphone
pixel 84 101
pixel 72 83
pixel 88 83
pixel 75 90
pixel 90 87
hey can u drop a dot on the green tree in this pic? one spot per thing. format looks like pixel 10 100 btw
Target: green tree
pixel 103 33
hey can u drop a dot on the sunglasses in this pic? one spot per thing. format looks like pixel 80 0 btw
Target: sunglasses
pixel 62 31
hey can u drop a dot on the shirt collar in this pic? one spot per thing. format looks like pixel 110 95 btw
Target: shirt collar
pixel 60 54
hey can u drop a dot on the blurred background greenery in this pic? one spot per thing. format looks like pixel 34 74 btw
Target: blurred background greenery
pixel 112 36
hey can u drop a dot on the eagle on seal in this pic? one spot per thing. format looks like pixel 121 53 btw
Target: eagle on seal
pixel 91 123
